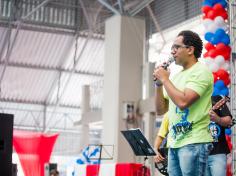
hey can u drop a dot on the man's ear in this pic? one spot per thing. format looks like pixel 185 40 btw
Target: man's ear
pixel 191 50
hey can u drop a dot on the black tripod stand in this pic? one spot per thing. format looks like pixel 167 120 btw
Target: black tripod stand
pixel 144 169
pixel 140 146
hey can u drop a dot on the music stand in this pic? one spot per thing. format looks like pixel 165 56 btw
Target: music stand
pixel 139 144
pixel 106 152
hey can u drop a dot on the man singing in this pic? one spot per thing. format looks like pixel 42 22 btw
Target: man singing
pixel 187 98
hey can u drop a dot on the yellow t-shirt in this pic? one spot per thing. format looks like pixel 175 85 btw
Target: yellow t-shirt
pixel 163 131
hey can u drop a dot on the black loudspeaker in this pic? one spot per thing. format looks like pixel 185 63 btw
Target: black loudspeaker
pixel 6 132
pixel 14 170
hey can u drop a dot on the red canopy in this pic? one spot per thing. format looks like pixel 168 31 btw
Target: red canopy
pixel 34 150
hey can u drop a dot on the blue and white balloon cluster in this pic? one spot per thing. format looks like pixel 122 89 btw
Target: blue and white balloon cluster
pixel 215 22
pixel 219 36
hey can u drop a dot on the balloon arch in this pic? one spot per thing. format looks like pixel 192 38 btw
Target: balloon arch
pixel 218 51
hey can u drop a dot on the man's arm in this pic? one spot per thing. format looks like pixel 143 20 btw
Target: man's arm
pixel 160 102
pixel 158 142
pixel 181 99
pixel 158 158
pixel 225 121
pixel 223 118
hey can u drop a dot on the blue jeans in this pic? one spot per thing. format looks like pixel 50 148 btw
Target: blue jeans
pixel 217 165
pixel 189 160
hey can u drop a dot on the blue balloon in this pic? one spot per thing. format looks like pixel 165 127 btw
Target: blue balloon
pixel 209 36
pixel 224 91
pixel 220 33
pixel 223 3
pixel 228 131
pixel 212 1
pixel 226 39
pixel 216 92
pixel 206 3
pixel 219 84
pixel 215 40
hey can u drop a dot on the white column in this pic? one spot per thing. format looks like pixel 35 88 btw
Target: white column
pixel 149 118
pixel 85 107
pixel 124 52
pixel 149 89
pixel 85 99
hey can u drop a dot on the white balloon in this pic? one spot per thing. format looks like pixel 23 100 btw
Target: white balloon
pixel 226 66
pixel 219 60
pixel 225 27
pixel 214 67
pixel 219 21
pixel 207 22
pixel 208 61
pixel 212 28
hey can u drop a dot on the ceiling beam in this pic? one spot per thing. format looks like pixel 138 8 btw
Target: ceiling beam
pixel 115 11
pixel 33 102
pixel 49 68
pixel 157 26
pixel 139 7
pixel 54 30
pixel 54 130
pixel 121 6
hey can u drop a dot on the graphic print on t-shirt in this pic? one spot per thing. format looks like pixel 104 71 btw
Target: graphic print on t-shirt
pixel 183 126
pixel 215 131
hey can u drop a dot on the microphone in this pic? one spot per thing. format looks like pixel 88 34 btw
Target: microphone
pixel 165 65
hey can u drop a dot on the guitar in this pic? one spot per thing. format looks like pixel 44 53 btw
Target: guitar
pixel 220 103
pixel 162 166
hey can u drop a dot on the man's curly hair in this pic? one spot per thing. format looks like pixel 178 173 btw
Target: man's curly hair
pixel 191 38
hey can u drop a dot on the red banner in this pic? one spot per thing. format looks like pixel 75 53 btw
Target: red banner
pixel 34 150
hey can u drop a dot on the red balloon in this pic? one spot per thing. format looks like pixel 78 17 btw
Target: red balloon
pixel 228 139
pixel 215 77
pixel 213 53
pixel 209 46
pixel 206 9
pixel 221 47
pixel 228 48
pixel 226 55
pixel 229 168
pixel 227 81
pixel 218 8
pixel 223 75
pixel 224 15
pixel 206 54
pixel 211 14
